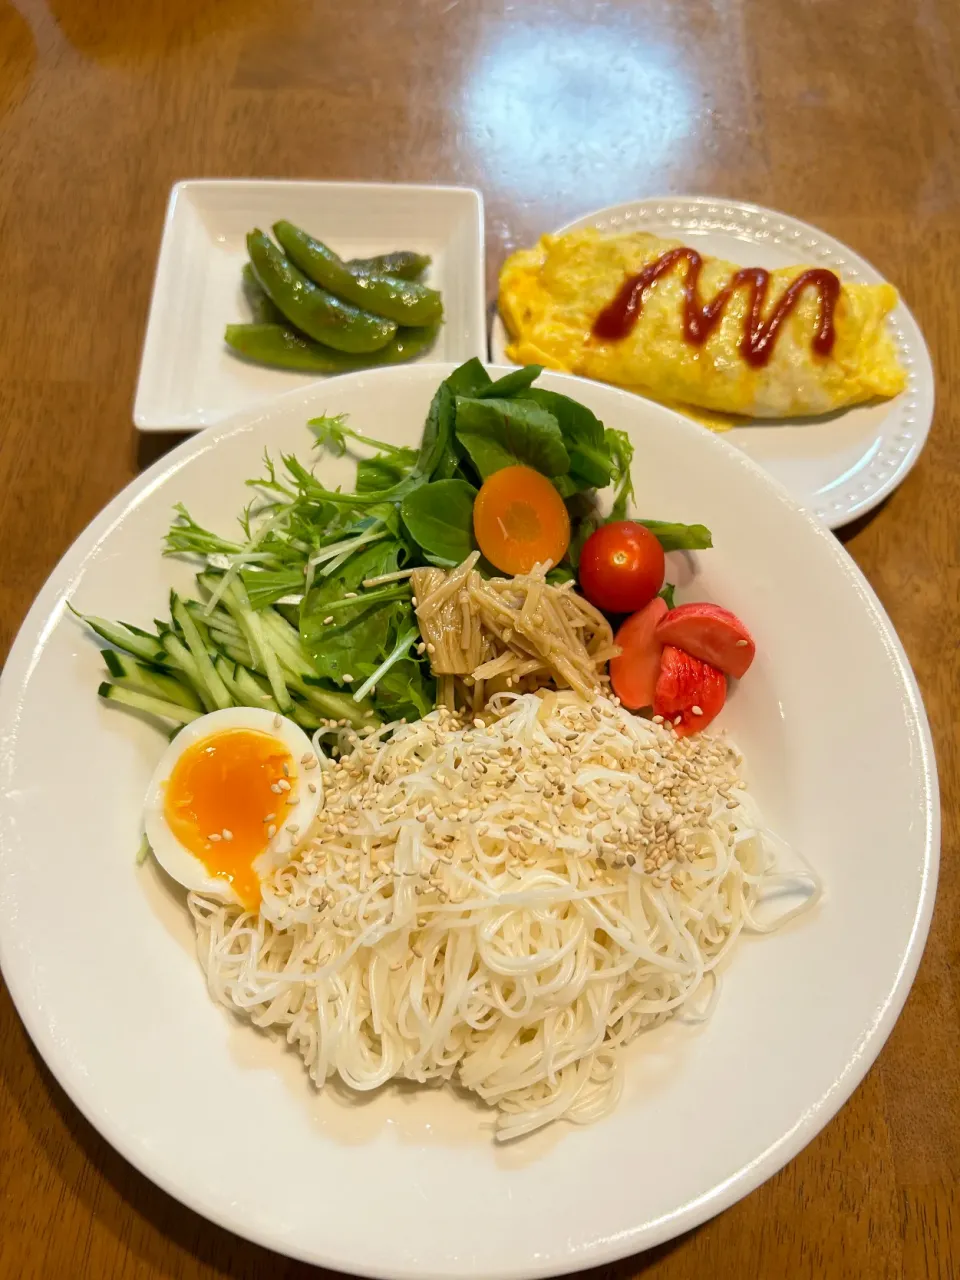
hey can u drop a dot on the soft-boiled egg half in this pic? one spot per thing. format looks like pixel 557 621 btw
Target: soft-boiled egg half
pixel 235 791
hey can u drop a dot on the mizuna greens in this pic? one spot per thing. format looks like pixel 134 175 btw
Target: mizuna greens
pixel 309 611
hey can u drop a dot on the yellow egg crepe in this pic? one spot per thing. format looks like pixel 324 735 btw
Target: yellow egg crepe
pixel 829 347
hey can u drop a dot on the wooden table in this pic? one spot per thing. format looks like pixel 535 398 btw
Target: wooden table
pixel 845 114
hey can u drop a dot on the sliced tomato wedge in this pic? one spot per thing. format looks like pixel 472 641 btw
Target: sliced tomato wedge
pixel 713 634
pixel 689 693
pixel 634 674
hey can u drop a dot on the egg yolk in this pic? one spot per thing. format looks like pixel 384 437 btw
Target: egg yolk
pixel 225 799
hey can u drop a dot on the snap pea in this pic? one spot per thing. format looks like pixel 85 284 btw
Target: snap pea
pixel 318 313
pixel 279 345
pixel 262 309
pixel 400 300
pixel 404 264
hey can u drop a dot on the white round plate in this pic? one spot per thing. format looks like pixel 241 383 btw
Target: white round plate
pixel 99 956
pixel 839 466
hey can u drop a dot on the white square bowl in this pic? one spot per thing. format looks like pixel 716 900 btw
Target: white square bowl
pixel 189 378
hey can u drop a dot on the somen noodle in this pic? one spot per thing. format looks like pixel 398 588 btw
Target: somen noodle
pixel 502 901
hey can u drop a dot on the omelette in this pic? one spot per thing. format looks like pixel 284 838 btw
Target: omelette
pixel 658 318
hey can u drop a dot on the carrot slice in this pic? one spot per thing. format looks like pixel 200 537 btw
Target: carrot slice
pixel 519 520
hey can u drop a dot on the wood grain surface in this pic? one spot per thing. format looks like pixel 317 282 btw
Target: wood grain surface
pixel 845 114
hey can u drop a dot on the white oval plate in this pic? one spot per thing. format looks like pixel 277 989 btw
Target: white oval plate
pixel 408 1183
pixel 839 466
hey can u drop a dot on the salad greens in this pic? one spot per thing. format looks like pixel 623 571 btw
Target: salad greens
pixel 507 433
pixel 309 612
pixel 439 517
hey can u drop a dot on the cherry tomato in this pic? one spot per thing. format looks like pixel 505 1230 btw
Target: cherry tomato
pixel 621 567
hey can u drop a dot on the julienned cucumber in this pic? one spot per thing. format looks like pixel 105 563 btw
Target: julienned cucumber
pixel 131 674
pixel 144 702
pixel 235 600
pixel 207 658
pixel 198 651
pixel 245 695
pixel 136 642
pixel 180 656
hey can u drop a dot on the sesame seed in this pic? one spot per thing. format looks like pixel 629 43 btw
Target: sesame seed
pixel 276 788
pixel 227 834
pixel 312 787
pixel 214 836
pixel 347 678
pixel 277 720
pixel 271 831
pixel 697 711
pixel 742 644
pixel 281 784
pixel 328 619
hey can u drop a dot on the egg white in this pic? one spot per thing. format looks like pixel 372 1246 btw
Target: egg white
pixel 185 867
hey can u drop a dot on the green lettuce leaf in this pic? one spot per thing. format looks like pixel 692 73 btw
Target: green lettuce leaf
pixel 439 518
pixel 679 537
pixel 506 433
